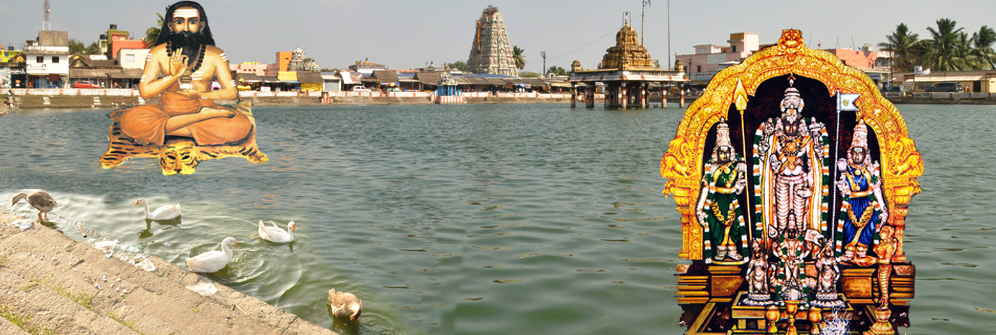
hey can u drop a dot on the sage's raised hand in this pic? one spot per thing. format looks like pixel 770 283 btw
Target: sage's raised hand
pixel 177 63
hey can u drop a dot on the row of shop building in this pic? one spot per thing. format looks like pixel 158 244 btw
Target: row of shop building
pixel 63 71
pixel 398 81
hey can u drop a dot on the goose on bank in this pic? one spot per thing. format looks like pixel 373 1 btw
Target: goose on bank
pixel 39 200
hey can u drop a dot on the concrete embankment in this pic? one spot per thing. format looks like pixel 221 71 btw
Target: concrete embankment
pixel 509 100
pixel 929 101
pixel 77 101
pixel 51 283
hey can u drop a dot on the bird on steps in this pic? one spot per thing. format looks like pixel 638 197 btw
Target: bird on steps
pixel 37 199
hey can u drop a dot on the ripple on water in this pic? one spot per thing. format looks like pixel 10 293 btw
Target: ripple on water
pixel 477 194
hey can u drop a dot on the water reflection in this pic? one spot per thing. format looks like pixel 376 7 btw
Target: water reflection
pixel 147 233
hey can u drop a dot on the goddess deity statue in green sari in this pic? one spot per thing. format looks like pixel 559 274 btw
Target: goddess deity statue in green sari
pixel 718 209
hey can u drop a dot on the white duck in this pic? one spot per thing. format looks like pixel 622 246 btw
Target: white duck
pixel 275 234
pixel 214 260
pixel 161 213
pixel 345 303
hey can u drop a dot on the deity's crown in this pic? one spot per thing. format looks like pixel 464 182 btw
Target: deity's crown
pixel 723 134
pixel 860 138
pixel 792 99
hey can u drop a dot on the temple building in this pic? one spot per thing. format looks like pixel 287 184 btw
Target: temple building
pixel 491 53
pixel 299 62
pixel 627 72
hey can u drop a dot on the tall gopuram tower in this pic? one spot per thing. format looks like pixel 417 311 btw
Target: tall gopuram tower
pixel 491 53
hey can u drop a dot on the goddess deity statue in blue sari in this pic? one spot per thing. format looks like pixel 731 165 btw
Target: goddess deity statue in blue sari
pixel 863 210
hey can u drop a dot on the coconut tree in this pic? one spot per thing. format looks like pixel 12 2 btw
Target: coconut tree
pixel 982 47
pixel 964 58
pixel 519 57
pixel 944 45
pixel 152 34
pixel 903 45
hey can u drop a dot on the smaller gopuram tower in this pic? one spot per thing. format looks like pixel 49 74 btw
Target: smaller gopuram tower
pixel 627 53
pixel 491 53
pixel 627 71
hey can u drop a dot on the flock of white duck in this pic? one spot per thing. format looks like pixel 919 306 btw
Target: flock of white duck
pixel 342 303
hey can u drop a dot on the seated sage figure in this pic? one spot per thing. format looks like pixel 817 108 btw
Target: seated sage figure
pixel 179 70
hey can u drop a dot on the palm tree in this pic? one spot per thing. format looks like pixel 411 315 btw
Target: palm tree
pixel 964 58
pixel 944 45
pixel 152 34
pixel 903 45
pixel 520 59
pixel 982 47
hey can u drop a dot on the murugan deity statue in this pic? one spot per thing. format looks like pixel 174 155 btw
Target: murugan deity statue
pixel 863 209
pixel 758 290
pixel 790 158
pixel 718 209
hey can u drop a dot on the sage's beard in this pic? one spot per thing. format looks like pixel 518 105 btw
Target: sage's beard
pixel 191 44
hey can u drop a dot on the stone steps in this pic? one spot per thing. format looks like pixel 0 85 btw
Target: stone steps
pixel 70 291
pixel 50 310
pixel 8 328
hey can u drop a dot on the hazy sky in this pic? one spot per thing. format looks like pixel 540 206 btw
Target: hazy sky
pixel 407 34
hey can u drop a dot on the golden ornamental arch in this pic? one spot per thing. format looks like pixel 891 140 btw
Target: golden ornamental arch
pixel 901 163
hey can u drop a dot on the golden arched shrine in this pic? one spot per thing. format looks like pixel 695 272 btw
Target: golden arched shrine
pixel 805 212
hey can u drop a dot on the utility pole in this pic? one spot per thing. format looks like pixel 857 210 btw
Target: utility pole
pixel 642 13
pixel 669 65
pixel 543 54
pixel 47 23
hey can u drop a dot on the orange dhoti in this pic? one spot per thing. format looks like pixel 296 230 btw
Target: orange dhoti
pixel 148 122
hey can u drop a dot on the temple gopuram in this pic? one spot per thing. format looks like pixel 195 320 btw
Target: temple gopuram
pixel 626 70
pixel 299 62
pixel 491 52
pixel 793 177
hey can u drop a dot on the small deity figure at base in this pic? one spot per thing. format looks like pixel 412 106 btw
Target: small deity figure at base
pixel 863 209
pixel 758 291
pixel 792 252
pixel 885 250
pixel 826 280
pixel 718 209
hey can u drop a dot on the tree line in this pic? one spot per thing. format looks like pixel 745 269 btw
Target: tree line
pixel 949 48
